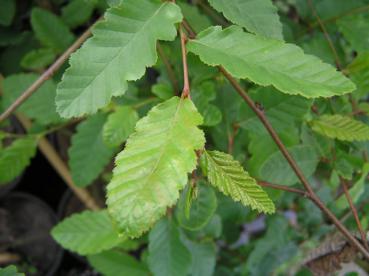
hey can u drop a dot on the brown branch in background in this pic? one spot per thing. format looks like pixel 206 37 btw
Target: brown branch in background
pixel 186 82
pixel 326 35
pixel 212 13
pixel 55 160
pixel 312 196
pixel 169 68
pixel 284 188
pixel 46 75
pixel 354 213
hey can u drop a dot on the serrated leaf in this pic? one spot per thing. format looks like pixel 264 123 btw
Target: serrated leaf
pixel 230 178
pixel 119 125
pixel 16 157
pixel 7 12
pixel 114 263
pixel 122 46
pixel 341 127
pixel 88 154
pixel 257 16
pixel 269 62
pixel 359 73
pixel 153 167
pixel 201 210
pixel 167 254
pixel 40 106
pixel 77 12
pixel 50 30
pixel 86 233
pixel 37 59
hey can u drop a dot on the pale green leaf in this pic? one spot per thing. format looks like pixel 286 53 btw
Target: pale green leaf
pixel 341 127
pixel 88 154
pixel 50 30
pixel 257 16
pixel 16 157
pixel 77 12
pixel 153 167
pixel 37 59
pixel 7 11
pixel 121 48
pixel 10 270
pixel 230 178
pixel 40 106
pixel 162 90
pixel 86 233
pixel 119 125
pixel 359 73
pixel 114 263
pixel 168 256
pixel 201 210
pixel 269 62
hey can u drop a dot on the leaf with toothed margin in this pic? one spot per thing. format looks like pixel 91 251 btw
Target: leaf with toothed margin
pixel 154 165
pixel 121 48
pixel 230 178
pixel 268 61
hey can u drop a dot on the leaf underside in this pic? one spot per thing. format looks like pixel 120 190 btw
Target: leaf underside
pixel 121 48
pixel 341 127
pixel 230 178
pixel 269 62
pixel 153 167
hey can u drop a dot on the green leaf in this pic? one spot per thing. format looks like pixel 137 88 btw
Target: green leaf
pixel 167 254
pixel 355 30
pixel 276 169
pixel 162 91
pixel 230 178
pixel 88 154
pixel 86 233
pixel 203 255
pixel 153 167
pixel 269 62
pixel 359 73
pixel 114 263
pixel 120 124
pixel 10 270
pixel 16 157
pixel 123 45
pixel 257 16
pixel 50 30
pixel 77 12
pixel 201 210
pixel 7 12
pixel 37 59
pixel 199 21
pixel 40 106
pixel 341 127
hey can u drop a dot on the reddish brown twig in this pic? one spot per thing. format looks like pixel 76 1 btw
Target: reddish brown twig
pixel 284 188
pixel 46 75
pixel 354 213
pixel 186 82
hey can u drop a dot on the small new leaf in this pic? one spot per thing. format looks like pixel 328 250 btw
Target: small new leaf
pixel 230 178
pixel 341 127
pixel 121 48
pixel 153 167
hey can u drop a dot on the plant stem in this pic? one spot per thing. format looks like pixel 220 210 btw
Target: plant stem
pixel 312 196
pixel 354 212
pixel 186 82
pixel 284 188
pixel 46 75
pixel 169 68
pixel 58 164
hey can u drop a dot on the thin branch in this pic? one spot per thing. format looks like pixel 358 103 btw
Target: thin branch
pixel 354 212
pixel 169 68
pixel 46 75
pixel 186 82
pixel 312 196
pixel 326 35
pixel 58 164
pixel 284 188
